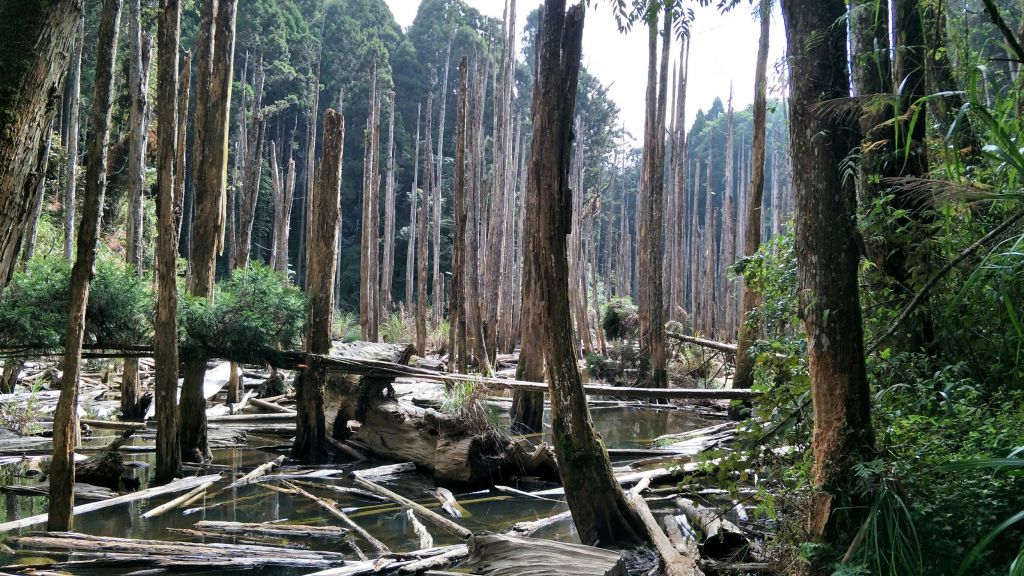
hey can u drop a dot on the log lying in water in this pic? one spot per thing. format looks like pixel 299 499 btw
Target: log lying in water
pixel 427 514
pixel 500 555
pixel 106 468
pixel 722 539
pixel 272 529
pixel 179 485
pixel 82 491
pixel 171 555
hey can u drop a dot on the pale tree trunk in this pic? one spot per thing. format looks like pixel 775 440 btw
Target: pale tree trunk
pixel 214 54
pixel 138 122
pixel 252 169
pixel 421 234
pixel 744 375
pixel 727 248
pixel 73 93
pixel 437 283
pixel 42 37
pixel 32 227
pixel 708 280
pixel 283 213
pixel 410 251
pixel 472 278
pixel 696 310
pixel 311 430
pixel 827 261
pixel 650 247
pixel 507 279
pixel 65 419
pixel 388 267
pixel 457 316
pixel 307 221
pixel 599 508
pixel 169 201
pixel 369 282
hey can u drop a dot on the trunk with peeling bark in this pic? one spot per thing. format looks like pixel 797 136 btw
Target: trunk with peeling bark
pixel 169 207
pixel 73 93
pixel 727 252
pixel 388 266
pixel 434 185
pixel 744 375
pixel 421 234
pixel 252 168
pixel 410 250
pixel 65 427
pixel 311 431
pixel 39 37
pixel 456 316
pixel 283 183
pixel 214 55
pixel 827 261
pixel 599 507
pixel 369 263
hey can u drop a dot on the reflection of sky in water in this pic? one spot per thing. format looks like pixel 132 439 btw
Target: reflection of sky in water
pixel 621 427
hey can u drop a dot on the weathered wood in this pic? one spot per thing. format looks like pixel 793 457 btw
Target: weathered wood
pixel 387 471
pixel 526 529
pixel 271 406
pixel 722 538
pixel 427 514
pixel 498 555
pixel 674 563
pixel 180 500
pixel 337 513
pixel 455 553
pixel 175 486
pixel 255 473
pixel 426 540
pixel 82 491
pixel 273 529
pixel 703 342
pixel 448 503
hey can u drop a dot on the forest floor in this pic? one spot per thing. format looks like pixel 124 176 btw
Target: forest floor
pixel 280 511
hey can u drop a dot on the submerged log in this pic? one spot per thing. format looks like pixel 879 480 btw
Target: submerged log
pixel 272 529
pixel 107 468
pixel 498 555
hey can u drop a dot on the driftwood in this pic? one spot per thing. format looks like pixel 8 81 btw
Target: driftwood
pixel 498 555
pixel 673 562
pixel 425 565
pixel 427 514
pixel 720 346
pixel 393 562
pixel 722 539
pixel 426 540
pixel 448 503
pixel 385 472
pixel 337 513
pixel 170 554
pixel 107 468
pixel 270 406
pixel 170 488
pixel 272 529
pixel 252 476
pixel 82 491
pixel 526 529
pixel 184 499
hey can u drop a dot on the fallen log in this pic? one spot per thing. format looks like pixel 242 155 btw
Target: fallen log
pixel 673 562
pixel 384 472
pixel 260 470
pixel 722 539
pixel 272 529
pixel 180 500
pixel 456 553
pixel 526 529
pixel 271 406
pixel 500 555
pixel 448 502
pixel 82 491
pixel 426 540
pixel 720 346
pixel 170 488
pixel 427 514
pixel 106 468
pixel 334 511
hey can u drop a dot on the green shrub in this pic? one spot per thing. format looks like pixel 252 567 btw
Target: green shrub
pixel 620 319
pixel 395 330
pixel 346 327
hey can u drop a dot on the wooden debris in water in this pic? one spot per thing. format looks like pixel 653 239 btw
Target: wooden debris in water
pixel 526 529
pixel 272 529
pixel 184 498
pixel 426 540
pixel 499 555
pixel 450 506
pixel 260 470
pixel 82 491
pixel 337 513
pixel 673 562
pixel 722 539
pixel 427 514
pixel 384 472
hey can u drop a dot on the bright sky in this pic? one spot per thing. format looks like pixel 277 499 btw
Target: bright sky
pixel 723 50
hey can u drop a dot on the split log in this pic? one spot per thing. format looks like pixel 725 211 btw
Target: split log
pixel 674 563
pixel 170 488
pixel 722 539
pixel 427 514
pixel 272 529
pixel 337 513
pixel 498 555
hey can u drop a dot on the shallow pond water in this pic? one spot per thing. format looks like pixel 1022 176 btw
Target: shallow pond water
pixel 621 427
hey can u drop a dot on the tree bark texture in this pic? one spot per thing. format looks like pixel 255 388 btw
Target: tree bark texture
pixel 369 263
pixel 214 54
pixel 62 467
pixel 421 235
pixel 311 436
pixel 388 265
pixel 827 260
pixel 39 36
pixel 410 249
pixel 73 93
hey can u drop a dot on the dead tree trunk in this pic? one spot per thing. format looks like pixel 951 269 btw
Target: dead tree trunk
pixel 410 251
pixel 214 53
pixel 284 195
pixel 421 262
pixel 138 112
pixel 708 282
pixel 252 157
pixel 472 285
pixel 456 315
pixel 169 201
pixel 744 376
pixel 38 42
pixel 73 93
pixel 388 267
pixel 599 508
pixel 827 260
pixel 436 283
pixel 369 263
pixel 311 430
pixel 727 248
pixel 65 420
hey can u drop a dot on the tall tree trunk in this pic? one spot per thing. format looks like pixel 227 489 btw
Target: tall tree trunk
pixel 696 310
pixel 457 315
pixel 650 232
pixel 65 419
pixel 214 53
pixel 310 433
pixel 728 245
pixel 410 251
pixel 744 376
pixel 32 227
pixel 369 282
pixel 388 267
pixel 599 508
pixel 435 185
pixel 252 156
pixel 708 306
pixel 169 206
pixel 421 234
pixel 138 112
pixel 39 38
pixel 307 221
pixel 73 93
pixel 827 260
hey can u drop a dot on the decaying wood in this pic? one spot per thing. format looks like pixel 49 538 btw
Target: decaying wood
pixel 273 529
pixel 180 500
pixel 255 473
pixel 454 554
pixel 426 540
pixel 673 562
pixel 722 538
pixel 703 342
pixel 499 555
pixel 427 514
pixel 106 468
pixel 526 529
pixel 387 471
pixel 175 486
pixel 82 491
pixel 448 503
pixel 337 513
pixel 270 406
